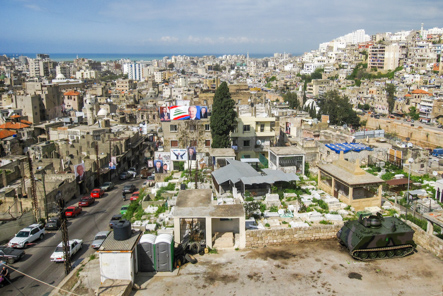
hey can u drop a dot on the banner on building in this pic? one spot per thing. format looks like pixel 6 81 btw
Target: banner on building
pixel 183 113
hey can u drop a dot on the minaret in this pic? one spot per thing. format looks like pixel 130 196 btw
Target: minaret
pixel 421 31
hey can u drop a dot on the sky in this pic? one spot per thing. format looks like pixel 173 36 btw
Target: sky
pixel 201 26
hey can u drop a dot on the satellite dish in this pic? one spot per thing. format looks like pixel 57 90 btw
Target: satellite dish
pixel 408 139
pixel 435 173
pixel 258 142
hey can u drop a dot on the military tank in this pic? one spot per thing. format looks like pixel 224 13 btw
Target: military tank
pixel 377 237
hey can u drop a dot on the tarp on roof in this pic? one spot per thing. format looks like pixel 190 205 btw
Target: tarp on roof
pixel 346 147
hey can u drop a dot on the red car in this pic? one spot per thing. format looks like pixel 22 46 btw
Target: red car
pixel 73 211
pixel 86 201
pixel 97 193
pixel 135 195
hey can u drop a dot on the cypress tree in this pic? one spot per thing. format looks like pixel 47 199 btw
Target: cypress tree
pixel 223 117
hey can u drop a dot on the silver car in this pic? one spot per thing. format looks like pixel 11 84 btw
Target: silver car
pixel 99 239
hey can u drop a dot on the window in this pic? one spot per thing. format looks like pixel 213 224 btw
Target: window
pixel 262 127
pixel 173 128
pixel 193 143
pixel 174 143
pixel 208 143
pixel 207 127
pixel 246 143
pixel 192 127
pixel 246 128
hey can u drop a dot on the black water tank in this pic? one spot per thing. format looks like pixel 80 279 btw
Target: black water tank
pixel 122 230
pixel 182 186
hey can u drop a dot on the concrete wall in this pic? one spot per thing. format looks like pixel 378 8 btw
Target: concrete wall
pixel 9 229
pixel 285 236
pixel 430 242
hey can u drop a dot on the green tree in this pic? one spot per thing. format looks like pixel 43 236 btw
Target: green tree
pixel 339 110
pixel 171 66
pixel 223 117
pixel 317 73
pixel 390 91
pixel 413 113
pixel 292 100
pixel 216 68
pixel 183 72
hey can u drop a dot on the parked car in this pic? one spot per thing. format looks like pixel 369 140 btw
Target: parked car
pixel 133 172
pixel 27 235
pixel 134 196
pixel 107 186
pixel 75 245
pixel 99 239
pixel 129 188
pixel 125 176
pixel 10 255
pixel 124 209
pixel 97 193
pixel 53 223
pixel 114 220
pixel 86 201
pixel 73 211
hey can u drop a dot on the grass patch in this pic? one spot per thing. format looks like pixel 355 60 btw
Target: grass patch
pixel 92 257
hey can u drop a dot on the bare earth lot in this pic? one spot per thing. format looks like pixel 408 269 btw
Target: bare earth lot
pixel 311 268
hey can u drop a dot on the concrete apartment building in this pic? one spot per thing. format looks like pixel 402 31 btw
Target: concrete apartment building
pixel 73 100
pixel 180 134
pixel 124 85
pixel 31 107
pixel 383 57
pixel 255 131
pixel 51 97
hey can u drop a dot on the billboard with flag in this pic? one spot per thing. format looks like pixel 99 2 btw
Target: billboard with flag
pixel 183 112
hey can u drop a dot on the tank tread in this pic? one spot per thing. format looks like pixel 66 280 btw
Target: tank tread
pixel 404 251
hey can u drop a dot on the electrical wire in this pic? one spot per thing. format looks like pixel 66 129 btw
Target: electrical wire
pixel 33 278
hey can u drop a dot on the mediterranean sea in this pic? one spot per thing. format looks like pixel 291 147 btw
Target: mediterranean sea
pixel 102 57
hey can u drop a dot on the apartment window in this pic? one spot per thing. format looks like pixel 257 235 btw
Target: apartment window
pixel 174 143
pixel 192 127
pixel 193 143
pixel 207 127
pixel 173 128
pixel 205 102
pixel 262 127
pixel 246 143
pixel 246 128
pixel 208 143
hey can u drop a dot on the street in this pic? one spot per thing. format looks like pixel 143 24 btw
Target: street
pixel 36 262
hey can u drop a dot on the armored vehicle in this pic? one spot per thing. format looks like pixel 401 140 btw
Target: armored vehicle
pixel 377 237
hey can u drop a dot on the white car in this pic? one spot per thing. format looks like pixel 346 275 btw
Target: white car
pixel 27 235
pixel 75 245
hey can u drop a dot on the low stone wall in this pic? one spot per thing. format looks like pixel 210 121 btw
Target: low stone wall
pixel 430 242
pixel 285 236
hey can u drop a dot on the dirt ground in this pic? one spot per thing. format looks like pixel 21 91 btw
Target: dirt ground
pixel 311 268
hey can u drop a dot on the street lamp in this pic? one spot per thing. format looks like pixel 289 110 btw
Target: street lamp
pixel 410 161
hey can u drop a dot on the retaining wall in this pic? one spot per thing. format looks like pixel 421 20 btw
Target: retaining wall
pixel 430 242
pixel 10 228
pixel 285 236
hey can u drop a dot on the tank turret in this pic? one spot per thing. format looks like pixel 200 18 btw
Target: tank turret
pixel 377 237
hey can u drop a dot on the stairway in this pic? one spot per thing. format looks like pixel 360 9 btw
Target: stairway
pixel 223 240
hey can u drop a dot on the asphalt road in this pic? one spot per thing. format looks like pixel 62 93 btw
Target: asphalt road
pixel 36 262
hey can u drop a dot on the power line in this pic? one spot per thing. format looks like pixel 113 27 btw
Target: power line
pixel 37 280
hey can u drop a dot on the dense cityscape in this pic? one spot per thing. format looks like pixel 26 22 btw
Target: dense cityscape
pixel 182 164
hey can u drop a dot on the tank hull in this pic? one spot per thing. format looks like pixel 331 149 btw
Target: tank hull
pixel 377 237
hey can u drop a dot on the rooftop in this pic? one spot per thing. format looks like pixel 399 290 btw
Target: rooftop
pixel 286 150
pixel 110 244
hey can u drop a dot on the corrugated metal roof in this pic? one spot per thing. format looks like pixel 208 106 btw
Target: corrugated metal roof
pixel 234 171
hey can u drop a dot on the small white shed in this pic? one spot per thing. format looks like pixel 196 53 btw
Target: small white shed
pixel 118 258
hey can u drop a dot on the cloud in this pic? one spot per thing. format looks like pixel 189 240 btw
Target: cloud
pixel 169 39
pixel 33 7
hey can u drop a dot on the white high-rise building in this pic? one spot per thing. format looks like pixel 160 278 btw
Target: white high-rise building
pixel 134 71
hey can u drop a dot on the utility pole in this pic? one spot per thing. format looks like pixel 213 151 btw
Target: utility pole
pixel 98 164
pixel 65 237
pixel 33 189
pixel 44 192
